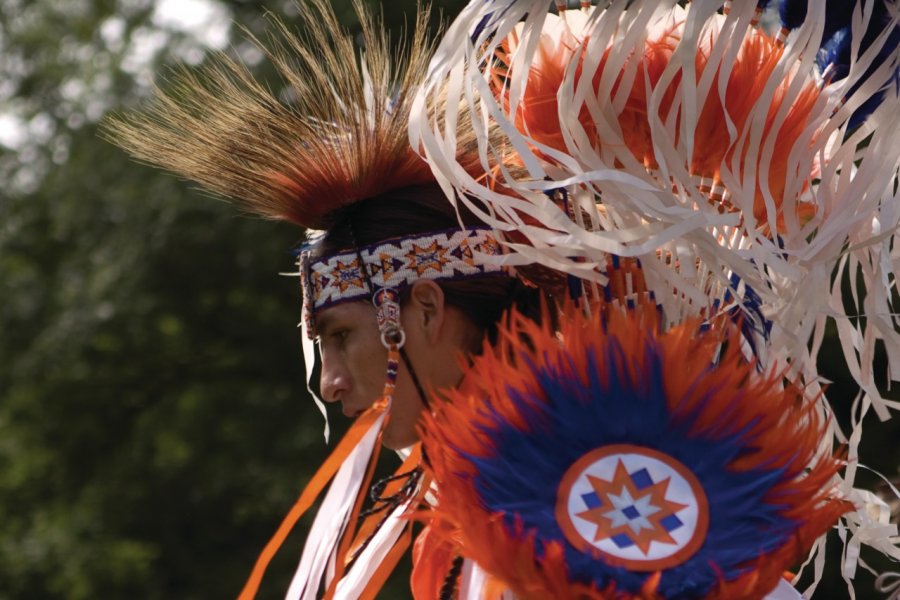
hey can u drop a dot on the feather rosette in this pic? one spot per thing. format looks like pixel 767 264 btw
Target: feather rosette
pixel 611 460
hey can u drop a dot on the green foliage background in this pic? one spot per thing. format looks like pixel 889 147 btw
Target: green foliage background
pixel 154 424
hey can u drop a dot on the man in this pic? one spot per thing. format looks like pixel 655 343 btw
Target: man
pixel 402 284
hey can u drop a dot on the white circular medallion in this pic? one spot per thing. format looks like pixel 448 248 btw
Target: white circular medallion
pixel 638 507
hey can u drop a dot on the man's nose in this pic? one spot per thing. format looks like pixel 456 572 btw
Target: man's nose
pixel 333 381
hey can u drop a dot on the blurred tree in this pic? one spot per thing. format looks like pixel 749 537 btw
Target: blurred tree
pixel 154 425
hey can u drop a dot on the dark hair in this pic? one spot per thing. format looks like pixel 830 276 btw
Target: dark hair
pixel 419 210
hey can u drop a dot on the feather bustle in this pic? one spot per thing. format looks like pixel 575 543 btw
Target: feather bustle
pixel 778 426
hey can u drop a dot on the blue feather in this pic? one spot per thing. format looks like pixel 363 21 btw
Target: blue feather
pixel 834 56
pixel 837 37
pixel 754 325
pixel 792 13
pixel 488 20
pixel 837 14
pixel 887 51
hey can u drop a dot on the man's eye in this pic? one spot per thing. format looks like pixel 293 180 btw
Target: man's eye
pixel 335 337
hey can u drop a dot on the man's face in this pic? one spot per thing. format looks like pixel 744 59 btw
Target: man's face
pixel 354 362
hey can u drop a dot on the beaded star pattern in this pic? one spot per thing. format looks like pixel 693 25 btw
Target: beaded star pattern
pixel 454 254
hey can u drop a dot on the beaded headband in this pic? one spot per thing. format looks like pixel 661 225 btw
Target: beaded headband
pixel 443 255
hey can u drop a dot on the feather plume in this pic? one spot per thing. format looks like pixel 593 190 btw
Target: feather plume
pixel 341 136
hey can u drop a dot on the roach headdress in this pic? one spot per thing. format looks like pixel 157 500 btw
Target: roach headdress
pixel 337 134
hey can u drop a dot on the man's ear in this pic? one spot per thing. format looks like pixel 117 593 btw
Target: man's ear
pixel 426 298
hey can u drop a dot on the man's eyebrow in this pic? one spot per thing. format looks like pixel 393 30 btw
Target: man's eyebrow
pixel 328 321
pixel 324 323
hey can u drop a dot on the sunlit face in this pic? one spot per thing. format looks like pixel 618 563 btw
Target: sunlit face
pixel 353 370
pixel 354 361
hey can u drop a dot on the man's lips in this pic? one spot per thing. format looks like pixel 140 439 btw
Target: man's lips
pixel 351 411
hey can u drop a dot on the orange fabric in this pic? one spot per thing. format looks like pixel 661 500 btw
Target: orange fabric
pixel 371 522
pixel 309 495
pixel 432 559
